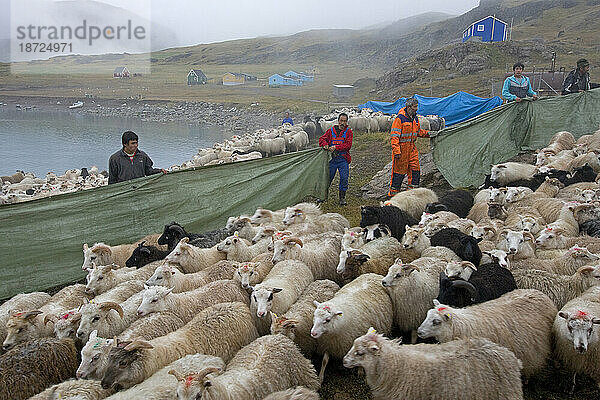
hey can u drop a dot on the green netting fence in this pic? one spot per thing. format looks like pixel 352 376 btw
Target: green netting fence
pixel 41 244
pixel 464 152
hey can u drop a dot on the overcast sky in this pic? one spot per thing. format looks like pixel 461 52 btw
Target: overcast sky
pixel 207 21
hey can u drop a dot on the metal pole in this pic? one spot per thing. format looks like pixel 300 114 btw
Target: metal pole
pixel 511 26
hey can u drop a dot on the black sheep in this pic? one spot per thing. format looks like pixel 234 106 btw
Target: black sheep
pixel 463 245
pixel 584 173
pixel 457 201
pixel 174 232
pixel 395 218
pixel 143 255
pixel 489 282
pixel 590 227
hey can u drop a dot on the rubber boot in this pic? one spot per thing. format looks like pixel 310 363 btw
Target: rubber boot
pixel 343 201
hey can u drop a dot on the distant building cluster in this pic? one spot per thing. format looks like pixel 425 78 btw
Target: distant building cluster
pixel 290 78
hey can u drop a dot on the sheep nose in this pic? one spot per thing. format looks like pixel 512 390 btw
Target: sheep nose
pixel 6 347
pixel 581 349
pixel 260 314
pixel 383 283
pixel 405 246
pixel 512 250
pixel 80 335
pixel 78 375
pixel 140 313
pixel 89 291
pixel 245 285
pixel 253 241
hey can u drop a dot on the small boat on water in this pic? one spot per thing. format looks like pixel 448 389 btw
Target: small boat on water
pixel 78 104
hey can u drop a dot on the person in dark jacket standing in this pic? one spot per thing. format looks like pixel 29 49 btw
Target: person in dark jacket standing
pixel 338 141
pixel 578 79
pixel 130 162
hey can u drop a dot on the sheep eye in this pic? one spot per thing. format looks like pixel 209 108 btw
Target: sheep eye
pixel 19 330
pixel 254 297
pixel 327 320
pixel 436 322
pixel 398 275
pixel 93 258
pixel 251 272
pixel 159 277
pixel 123 364
pixel 95 358
pixel 96 318
pixel 271 297
pixel 154 300
pixel 100 278
pixel 238 272
pixel 360 353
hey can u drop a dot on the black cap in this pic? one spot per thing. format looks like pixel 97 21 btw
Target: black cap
pixel 582 63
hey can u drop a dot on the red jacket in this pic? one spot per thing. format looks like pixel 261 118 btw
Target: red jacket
pixel 343 148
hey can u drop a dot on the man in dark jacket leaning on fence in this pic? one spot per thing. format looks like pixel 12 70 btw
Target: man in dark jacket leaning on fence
pixel 130 162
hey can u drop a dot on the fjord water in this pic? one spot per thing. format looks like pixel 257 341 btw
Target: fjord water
pixel 40 141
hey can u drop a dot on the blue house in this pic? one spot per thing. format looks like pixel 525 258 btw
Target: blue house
pixel 489 29
pixel 276 80
pixel 298 75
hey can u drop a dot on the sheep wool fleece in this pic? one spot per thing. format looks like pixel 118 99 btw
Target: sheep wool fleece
pixel 404 133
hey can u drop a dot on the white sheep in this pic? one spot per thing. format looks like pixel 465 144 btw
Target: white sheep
pixel 252 273
pixel 297 321
pixel 282 286
pixel 415 238
pixel 414 201
pixel 80 389
pixel 555 238
pixel 577 337
pixel 330 222
pixel 24 325
pixel 297 393
pixel 516 193
pixel 270 363
pixel 496 195
pixel 220 330
pixel 353 238
pixel 520 245
pixel 566 264
pixel 520 320
pixel 22 301
pixel 559 288
pixel 168 276
pixel 102 254
pixel 302 212
pixel 321 257
pixel 186 305
pixel 162 385
pixel 493 371
pixel 337 322
pixel 498 256
pixel 422 282
pixel 566 221
pixel 238 249
pixel 102 278
pixel 94 355
pixel 194 259
pixel 108 318
pixel 508 172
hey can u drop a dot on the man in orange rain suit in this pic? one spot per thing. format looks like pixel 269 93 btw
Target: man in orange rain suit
pixel 405 157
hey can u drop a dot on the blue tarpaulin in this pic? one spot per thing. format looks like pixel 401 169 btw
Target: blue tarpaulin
pixel 455 108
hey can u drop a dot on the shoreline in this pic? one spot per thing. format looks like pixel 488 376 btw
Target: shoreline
pixel 236 120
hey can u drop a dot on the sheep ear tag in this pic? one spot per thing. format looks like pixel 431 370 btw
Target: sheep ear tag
pixel 371 331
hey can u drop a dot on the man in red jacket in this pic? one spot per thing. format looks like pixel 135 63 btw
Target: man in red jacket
pixel 338 141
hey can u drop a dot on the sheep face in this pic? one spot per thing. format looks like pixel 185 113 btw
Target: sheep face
pixel 548 238
pixel 180 252
pixel 497 195
pixel 436 318
pixel 582 254
pixel 365 351
pixel 397 272
pixel 496 211
pixel 324 317
pixel 229 244
pixel 587 195
pixel 230 222
pixel 462 270
pixel 498 256
pixel 153 300
pixel 514 240
pixel 426 218
pixel 20 327
pixel 496 171
pixel 172 233
pixel 263 232
pixel 373 232
pixel 245 274
pixel 284 326
pixel 98 254
pixel 98 279
pixel 196 386
pixel 163 276
pixel 262 300
pixel 411 236
pixel 483 232
pixel 580 328
pixel 67 324
pixel 94 315
pixel 352 239
pixel 261 216
pixel 368 216
pixel 516 193
pixel 529 224
pixel 293 216
pixel 91 355
pixel 350 259
pixel 139 257
pixel 282 248
pixel 125 365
